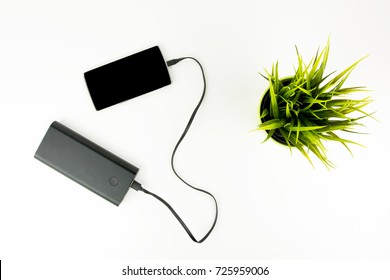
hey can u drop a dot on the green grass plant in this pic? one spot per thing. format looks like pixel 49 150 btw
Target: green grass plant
pixel 311 107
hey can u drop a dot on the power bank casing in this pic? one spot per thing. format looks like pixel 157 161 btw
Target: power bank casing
pixel 85 162
pixel 127 78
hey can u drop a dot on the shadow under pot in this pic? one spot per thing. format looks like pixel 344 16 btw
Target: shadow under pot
pixel 265 104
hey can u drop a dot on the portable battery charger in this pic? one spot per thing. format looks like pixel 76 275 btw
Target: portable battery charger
pixel 87 163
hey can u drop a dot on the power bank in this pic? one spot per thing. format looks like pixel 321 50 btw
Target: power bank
pixel 127 78
pixel 86 163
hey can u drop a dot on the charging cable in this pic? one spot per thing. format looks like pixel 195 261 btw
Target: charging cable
pixel 137 186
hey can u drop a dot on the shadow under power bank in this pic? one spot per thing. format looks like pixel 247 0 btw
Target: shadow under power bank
pixel 86 163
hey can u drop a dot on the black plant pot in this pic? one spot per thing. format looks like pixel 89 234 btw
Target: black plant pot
pixel 265 104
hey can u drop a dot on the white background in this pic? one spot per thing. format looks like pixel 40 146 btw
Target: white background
pixel 273 204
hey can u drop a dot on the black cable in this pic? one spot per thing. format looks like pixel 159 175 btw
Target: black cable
pixel 138 186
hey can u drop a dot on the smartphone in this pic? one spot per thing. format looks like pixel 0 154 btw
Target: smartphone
pixel 127 78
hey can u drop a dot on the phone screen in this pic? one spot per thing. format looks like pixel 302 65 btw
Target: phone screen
pixel 127 78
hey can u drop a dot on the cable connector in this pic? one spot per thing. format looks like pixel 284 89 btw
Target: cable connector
pixel 174 61
pixel 136 186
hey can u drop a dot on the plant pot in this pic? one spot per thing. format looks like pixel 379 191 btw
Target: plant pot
pixel 265 103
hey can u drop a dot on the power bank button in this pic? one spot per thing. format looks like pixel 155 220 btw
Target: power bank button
pixel 114 181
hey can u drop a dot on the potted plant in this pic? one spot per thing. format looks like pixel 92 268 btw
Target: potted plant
pixel 310 107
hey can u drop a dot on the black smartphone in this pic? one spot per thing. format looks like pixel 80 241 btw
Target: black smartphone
pixel 127 78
